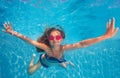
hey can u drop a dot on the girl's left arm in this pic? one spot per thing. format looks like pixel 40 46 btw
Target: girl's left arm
pixel 111 31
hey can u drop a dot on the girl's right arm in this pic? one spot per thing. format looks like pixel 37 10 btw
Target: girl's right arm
pixel 8 29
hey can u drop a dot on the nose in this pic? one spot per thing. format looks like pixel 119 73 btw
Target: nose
pixel 55 40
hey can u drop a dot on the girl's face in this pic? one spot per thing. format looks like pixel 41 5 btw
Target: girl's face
pixel 55 38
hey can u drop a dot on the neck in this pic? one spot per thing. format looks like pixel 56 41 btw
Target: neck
pixel 56 48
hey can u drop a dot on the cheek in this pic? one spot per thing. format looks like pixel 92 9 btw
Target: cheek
pixel 61 39
pixel 51 41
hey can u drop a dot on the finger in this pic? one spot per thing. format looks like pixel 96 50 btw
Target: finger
pixel 5 26
pixel 3 30
pixel 9 24
pixel 107 25
pixel 112 23
pixel 109 22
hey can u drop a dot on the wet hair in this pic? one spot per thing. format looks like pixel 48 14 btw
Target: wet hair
pixel 46 34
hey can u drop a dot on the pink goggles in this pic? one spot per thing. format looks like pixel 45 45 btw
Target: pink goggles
pixel 58 37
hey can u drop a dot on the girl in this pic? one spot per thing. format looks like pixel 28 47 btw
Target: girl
pixel 50 43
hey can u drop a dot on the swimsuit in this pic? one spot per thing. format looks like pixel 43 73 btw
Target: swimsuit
pixel 48 61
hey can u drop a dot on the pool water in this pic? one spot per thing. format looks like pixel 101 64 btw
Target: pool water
pixel 81 19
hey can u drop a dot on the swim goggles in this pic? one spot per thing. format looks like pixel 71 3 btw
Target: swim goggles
pixel 58 37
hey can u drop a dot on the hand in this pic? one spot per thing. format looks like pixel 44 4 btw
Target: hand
pixel 7 27
pixel 111 30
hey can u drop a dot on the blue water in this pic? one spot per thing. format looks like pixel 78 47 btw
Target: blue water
pixel 81 19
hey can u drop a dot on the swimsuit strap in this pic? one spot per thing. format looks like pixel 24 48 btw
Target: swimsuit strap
pixel 53 58
pixel 41 61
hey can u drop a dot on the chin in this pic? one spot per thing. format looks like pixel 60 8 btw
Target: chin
pixel 56 44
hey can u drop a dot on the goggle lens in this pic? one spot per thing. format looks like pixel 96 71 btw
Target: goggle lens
pixel 58 37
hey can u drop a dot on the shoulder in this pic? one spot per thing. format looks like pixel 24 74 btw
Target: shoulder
pixel 72 46
pixel 65 47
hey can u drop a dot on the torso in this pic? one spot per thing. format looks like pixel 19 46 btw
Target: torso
pixel 56 54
